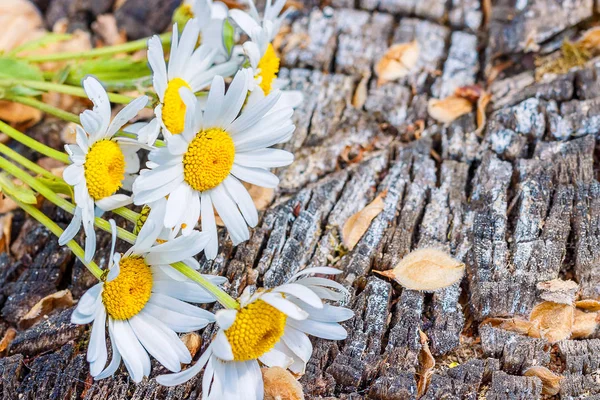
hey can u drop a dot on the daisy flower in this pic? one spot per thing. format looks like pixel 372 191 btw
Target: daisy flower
pixel 144 300
pixel 203 166
pixel 101 162
pixel 271 327
pixel 187 68
pixel 211 17
pixel 260 52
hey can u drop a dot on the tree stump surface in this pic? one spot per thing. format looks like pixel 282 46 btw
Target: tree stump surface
pixel 518 202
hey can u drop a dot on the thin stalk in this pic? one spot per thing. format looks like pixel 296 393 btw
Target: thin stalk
pixel 67 116
pixel 222 297
pixel 33 167
pixel 98 52
pixel 57 231
pixel 66 89
pixel 33 144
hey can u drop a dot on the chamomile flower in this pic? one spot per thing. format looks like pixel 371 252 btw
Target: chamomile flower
pixel 210 16
pixel 271 327
pixel 187 68
pixel 101 162
pixel 217 149
pixel 260 52
pixel 144 301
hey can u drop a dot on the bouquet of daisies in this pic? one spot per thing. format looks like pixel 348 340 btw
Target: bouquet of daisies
pixel 219 109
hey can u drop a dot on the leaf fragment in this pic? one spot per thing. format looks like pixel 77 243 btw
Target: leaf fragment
pixel 427 269
pixel 5 231
pixel 585 324
pixel 588 304
pixel 517 325
pixel 356 226
pixel 193 342
pixel 448 109
pixel 426 364
pixel 61 299
pixel 8 337
pixel 397 62
pixel 554 319
pixel 550 380
pixel 558 291
pixel 280 384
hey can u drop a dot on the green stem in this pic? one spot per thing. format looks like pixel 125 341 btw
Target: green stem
pixel 33 167
pixel 66 89
pixel 56 230
pixel 67 116
pixel 98 52
pixel 222 297
pixel 33 144
pixel 126 213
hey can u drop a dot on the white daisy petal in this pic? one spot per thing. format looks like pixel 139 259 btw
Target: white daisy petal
pixel 155 342
pixel 298 342
pixel 221 347
pixel 225 318
pixel 115 201
pixel 255 176
pixel 74 226
pixel 209 226
pixel 242 198
pixel 235 98
pixel 134 356
pixel 149 196
pixel 243 20
pixel 97 94
pixel 230 215
pixel 184 376
pixel 214 104
pixel 264 158
pixel 156 59
pixel 114 363
pixel 176 204
pixel 285 306
pixel 126 114
pixel 276 358
pixel 97 344
pixel 323 330
pixel 173 68
pixel 252 114
pixel 317 270
pixel 301 292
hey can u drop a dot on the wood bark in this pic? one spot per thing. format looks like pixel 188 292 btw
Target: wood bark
pixel 518 202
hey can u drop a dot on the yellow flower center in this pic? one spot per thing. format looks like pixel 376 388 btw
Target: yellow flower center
pixel 128 293
pixel 256 330
pixel 173 111
pixel 104 169
pixel 208 159
pixel 269 67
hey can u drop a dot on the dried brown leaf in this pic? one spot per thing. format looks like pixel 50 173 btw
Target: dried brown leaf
pixel 427 270
pixel 588 305
pixel 106 28
pixel 470 92
pixel 360 94
pixel 192 341
pixel 5 231
pixel 585 324
pixel 448 109
pixel 61 299
pixel 397 62
pixel 555 320
pixel 8 337
pixel 20 22
pixel 590 39
pixel 482 104
pixel 426 364
pixel 7 204
pixel 356 226
pixel 280 384
pixel 16 113
pixel 550 380
pixel 520 326
pixel 68 133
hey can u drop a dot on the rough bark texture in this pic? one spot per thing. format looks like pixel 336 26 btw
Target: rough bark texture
pixel 518 202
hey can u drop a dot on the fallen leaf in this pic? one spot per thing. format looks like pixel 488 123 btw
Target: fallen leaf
pixel 20 21
pixel 470 92
pixel 588 305
pixel 550 380
pixel 68 134
pixel 192 341
pixel 584 324
pixel 426 364
pixel 4 138
pixel 520 326
pixel 280 384
pixel 360 94
pixel 8 337
pixel 590 39
pixel 16 113
pixel 448 109
pixel 106 28
pixel 397 62
pixel 426 269
pixel 7 204
pixel 482 104
pixel 5 231
pixel 555 320
pixel 558 291
pixel 61 299
pixel 356 226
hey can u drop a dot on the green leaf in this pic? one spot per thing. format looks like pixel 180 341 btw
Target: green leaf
pixel 44 41
pixel 18 69
pixel 57 186
pixel 21 193
pixel 228 36
pixel 24 91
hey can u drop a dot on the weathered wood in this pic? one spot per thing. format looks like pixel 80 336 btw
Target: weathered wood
pixel 518 202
